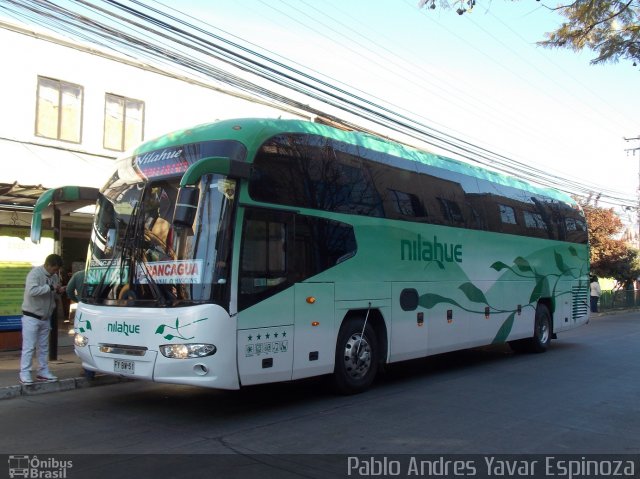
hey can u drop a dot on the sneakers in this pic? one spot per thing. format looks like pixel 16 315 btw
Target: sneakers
pixel 47 376
pixel 26 379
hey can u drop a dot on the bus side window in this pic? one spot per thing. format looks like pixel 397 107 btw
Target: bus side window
pixel 320 244
pixel 279 249
pixel 264 262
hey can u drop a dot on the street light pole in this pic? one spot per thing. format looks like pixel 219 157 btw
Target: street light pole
pixel 633 150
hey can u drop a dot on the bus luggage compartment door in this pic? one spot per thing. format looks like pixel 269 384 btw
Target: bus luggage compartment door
pixel 315 335
pixel 265 340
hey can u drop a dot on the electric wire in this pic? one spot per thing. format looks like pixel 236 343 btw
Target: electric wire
pixel 281 74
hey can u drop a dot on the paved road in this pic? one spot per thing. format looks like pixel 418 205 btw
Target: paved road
pixel 582 396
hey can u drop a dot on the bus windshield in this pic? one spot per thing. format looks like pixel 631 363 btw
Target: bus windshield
pixel 139 258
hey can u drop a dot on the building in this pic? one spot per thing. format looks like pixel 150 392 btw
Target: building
pixel 68 110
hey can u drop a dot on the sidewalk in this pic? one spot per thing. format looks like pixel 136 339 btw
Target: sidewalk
pixel 67 368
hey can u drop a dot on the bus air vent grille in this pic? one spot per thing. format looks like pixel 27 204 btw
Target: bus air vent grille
pixel 580 301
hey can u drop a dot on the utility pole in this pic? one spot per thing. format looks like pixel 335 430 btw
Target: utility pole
pixel 633 151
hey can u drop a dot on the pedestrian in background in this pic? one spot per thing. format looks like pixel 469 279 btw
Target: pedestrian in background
pixel 595 293
pixel 74 286
pixel 42 286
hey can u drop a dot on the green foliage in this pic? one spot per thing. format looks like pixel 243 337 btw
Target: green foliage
pixel 625 268
pixel 610 257
pixel 610 28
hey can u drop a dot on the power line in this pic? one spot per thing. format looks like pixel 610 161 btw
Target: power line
pixel 170 38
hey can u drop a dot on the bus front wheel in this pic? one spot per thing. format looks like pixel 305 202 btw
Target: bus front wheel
pixel 356 357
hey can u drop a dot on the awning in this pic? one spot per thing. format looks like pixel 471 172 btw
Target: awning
pixel 28 170
pixel 13 195
pixel 66 199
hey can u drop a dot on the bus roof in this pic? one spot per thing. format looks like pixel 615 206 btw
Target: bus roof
pixel 253 132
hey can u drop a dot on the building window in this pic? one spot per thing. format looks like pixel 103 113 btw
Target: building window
pixel 451 211
pixel 533 220
pixel 406 204
pixel 123 122
pixel 575 224
pixel 507 214
pixel 59 110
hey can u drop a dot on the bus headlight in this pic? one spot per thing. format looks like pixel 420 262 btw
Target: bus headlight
pixel 186 351
pixel 80 341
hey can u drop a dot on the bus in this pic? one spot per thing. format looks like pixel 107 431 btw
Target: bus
pixel 252 251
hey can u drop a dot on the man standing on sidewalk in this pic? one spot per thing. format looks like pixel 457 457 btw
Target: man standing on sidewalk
pixel 42 285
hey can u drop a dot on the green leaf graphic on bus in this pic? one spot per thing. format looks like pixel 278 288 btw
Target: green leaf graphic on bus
pixel 83 325
pixel 537 291
pixel 522 264
pixel 499 266
pixel 545 285
pixel 429 300
pixel 505 329
pixel 473 294
pixel 178 334
pixel 560 262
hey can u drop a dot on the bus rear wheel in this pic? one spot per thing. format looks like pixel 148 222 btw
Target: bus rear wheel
pixel 541 338
pixel 356 357
pixel 542 330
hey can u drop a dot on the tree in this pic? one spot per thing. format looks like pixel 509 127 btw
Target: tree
pixel 610 257
pixel 626 270
pixel 610 28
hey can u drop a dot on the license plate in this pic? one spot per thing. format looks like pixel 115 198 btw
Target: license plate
pixel 124 367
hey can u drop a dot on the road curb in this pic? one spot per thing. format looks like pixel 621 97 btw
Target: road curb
pixel 35 389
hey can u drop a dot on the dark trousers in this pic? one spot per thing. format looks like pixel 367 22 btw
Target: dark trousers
pixel 594 304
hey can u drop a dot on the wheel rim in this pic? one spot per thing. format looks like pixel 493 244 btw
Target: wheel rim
pixel 543 331
pixel 357 356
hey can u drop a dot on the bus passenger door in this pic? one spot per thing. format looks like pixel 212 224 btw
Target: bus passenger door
pixel 265 297
pixel 315 334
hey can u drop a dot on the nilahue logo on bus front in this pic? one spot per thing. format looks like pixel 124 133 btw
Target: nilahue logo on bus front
pixel 123 328
pixel 156 156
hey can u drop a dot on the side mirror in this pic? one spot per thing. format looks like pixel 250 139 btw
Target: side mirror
pixel 186 206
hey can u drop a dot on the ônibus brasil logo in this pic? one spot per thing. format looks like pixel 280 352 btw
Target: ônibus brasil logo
pixel 35 467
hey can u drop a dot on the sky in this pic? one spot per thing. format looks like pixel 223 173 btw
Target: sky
pixel 479 77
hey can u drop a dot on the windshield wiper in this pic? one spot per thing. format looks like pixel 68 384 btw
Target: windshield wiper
pixel 137 258
pixel 119 251
pixel 157 291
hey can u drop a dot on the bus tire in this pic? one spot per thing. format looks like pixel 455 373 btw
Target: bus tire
pixel 356 363
pixel 541 338
pixel 541 330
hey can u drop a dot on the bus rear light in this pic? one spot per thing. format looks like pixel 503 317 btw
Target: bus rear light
pixel 186 351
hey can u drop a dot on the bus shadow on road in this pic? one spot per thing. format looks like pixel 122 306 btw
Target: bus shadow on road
pixel 467 361
pixel 280 396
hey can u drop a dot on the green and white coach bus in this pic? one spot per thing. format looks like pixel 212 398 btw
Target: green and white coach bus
pixel 258 250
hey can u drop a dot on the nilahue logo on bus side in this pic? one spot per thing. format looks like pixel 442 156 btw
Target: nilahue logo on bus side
pixel 424 250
